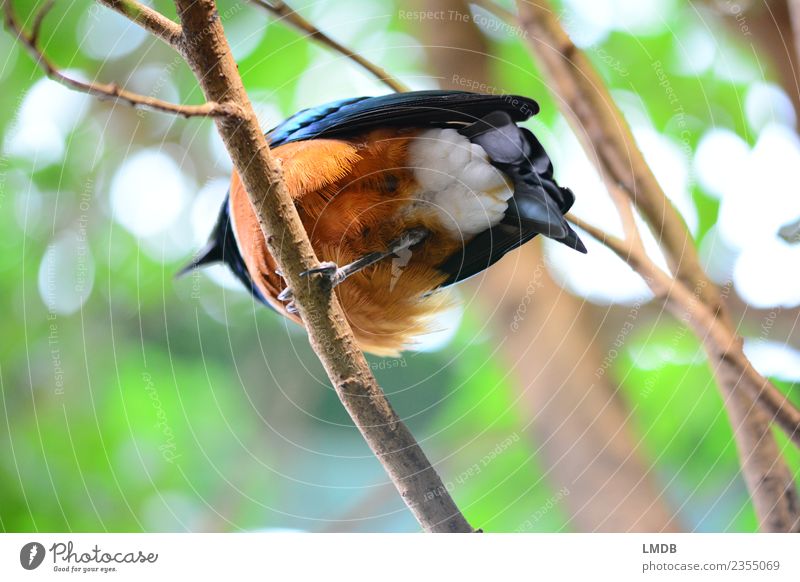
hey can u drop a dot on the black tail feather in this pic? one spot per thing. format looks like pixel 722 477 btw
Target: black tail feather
pixel 211 253
pixel 537 206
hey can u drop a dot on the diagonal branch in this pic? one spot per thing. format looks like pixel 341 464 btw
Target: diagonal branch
pixel 285 12
pixel 101 90
pixel 749 398
pixel 210 58
pixel 794 12
pixel 38 19
pixel 723 344
pixel 570 71
pixel 598 122
pixel 151 20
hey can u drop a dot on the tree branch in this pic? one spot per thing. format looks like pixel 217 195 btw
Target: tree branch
pixel 210 58
pixel 722 343
pixel 587 104
pixel 767 393
pixel 794 12
pixel 769 480
pixel 600 125
pixel 285 12
pixel 151 20
pixel 101 90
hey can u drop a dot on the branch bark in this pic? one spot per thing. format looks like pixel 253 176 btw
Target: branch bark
pixel 587 103
pixel 105 91
pixel 794 13
pixel 151 20
pixel 607 139
pixel 200 39
pixel 206 50
pixel 768 478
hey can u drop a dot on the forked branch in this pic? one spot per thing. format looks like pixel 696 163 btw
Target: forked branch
pixel 209 56
pixel 151 20
pixel 105 91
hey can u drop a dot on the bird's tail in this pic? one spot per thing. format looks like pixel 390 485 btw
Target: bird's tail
pixel 539 203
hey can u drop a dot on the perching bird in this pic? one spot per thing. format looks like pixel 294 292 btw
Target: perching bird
pixel 401 195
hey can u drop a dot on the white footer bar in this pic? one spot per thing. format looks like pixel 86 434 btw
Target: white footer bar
pixel 389 557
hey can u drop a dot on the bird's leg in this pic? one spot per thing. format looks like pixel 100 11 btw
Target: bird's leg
pixel 336 274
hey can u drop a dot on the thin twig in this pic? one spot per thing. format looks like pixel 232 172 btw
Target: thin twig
pixel 285 12
pixel 627 215
pixel 615 243
pixel 38 19
pixel 102 90
pixel 723 342
pixel 151 20
pixel 587 104
pixel 794 12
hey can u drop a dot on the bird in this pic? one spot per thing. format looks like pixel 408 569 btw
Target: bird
pixel 402 196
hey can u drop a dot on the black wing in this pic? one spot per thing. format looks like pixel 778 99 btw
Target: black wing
pixel 414 109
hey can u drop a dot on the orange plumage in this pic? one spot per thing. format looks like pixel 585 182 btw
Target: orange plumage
pixel 349 194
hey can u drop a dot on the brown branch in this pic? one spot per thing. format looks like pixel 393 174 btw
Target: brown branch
pixel 606 136
pixel 208 54
pixel 38 19
pixel 794 12
pixel 768 478
pixel 151 20
pixel 625 210
pixel 101 90
pixel 285 12
pixel 210 58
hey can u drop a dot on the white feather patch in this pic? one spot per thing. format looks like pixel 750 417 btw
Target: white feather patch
pixel 458 182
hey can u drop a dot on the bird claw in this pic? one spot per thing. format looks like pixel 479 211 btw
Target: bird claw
pixel 326 268
pixel 288 297
pixel 332 273
pixel 329 270
pixel 286 294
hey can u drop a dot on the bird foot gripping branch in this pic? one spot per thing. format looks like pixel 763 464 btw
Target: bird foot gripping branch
pixel 411 193
pixel 335 275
